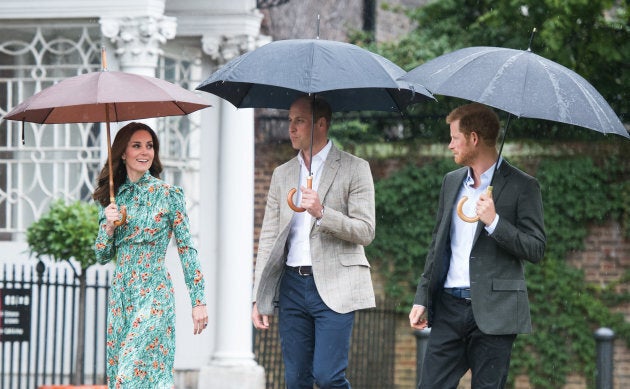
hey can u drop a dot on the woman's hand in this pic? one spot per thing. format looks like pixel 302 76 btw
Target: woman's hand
pixel 112 215
pixel 200 319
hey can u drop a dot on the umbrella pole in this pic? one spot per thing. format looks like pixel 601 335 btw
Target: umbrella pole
pixel 496 165
pixel 112 198
pixel 309 179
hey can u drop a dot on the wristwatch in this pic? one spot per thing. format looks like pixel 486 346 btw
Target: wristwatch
pixel 318 220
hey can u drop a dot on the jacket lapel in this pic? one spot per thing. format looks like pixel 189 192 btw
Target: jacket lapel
pixel 498 184
pixel 329 171
pixel 451 190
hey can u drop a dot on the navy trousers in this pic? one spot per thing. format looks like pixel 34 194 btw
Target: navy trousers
pixel 456 345
pixel 315 340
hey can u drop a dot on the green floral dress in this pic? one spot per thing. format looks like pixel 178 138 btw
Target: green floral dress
pixel 141 312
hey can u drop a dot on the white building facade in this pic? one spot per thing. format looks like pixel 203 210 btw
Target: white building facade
pixel 210 152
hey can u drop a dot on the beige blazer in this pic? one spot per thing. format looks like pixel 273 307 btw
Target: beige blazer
pixel 340 268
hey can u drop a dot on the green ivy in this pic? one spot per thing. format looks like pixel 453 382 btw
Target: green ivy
pixel 566 310
pixel 406 204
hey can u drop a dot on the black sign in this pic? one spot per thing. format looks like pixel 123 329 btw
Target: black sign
pixel 15 315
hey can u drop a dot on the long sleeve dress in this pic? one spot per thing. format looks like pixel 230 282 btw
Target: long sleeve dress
pixel 141 311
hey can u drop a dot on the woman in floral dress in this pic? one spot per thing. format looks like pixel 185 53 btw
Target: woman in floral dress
pixel 141 314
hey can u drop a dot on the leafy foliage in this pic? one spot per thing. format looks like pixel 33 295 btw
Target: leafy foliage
pixel 65 232
pixel 572 200
pixel 566 312
pixel 349 131
pixel 577 193
pixel 404 225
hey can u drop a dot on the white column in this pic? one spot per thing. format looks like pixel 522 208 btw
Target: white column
pixel 137 40
pixel 232 362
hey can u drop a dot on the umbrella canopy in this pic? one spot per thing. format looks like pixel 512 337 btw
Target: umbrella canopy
pixel 105 97
pixel 521 83
pixel 348 77
pixel 84 99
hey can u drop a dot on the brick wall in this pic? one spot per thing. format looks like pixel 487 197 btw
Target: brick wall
pixel 604 259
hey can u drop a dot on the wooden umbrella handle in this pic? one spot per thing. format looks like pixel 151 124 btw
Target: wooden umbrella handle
pixel 460 206
pixel 309 184
pixel 123 214
pixel 103 59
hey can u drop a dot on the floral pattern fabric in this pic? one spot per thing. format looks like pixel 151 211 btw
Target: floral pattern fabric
pixel 141 311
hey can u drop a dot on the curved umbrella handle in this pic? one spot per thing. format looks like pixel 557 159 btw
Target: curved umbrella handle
pixel 123 217
pixel 123 214
pixel 309 184
pixel 460 206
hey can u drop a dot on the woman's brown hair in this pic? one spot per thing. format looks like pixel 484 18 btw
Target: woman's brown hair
pixel 101 193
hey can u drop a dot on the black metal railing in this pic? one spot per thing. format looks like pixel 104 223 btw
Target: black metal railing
pixel 372 353
pixel 38 334
pixel 38 338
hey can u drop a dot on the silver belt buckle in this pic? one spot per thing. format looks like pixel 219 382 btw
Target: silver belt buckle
pixel 300 271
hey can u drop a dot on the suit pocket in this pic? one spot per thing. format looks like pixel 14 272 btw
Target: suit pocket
pixel 353 260
pixel 508 285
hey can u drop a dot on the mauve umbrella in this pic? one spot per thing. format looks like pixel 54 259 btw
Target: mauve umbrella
pixel 346 76
pixel 105 97
pixel 521 83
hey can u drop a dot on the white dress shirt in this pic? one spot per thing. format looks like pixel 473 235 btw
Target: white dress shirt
pixel 463 233
pixel 299 244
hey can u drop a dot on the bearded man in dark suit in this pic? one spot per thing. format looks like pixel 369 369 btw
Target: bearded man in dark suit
pixel 472 292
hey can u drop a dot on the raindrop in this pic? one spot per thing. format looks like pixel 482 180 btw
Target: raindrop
pixel 524 10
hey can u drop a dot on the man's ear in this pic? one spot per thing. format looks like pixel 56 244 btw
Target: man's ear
pixel 321 122
pixel 474 137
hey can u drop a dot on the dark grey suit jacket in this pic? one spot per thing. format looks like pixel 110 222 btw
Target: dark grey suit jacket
pixel 499 294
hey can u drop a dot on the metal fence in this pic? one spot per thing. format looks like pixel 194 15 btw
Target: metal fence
pixel 372 353
pixel 39 329
pixel 39 308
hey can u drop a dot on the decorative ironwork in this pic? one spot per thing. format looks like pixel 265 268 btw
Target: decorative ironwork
pixel 56 161
pixel 262 4
pixel 62 161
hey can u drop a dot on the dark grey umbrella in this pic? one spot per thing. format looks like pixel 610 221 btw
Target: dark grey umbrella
pixel 348 77
pixel 521 83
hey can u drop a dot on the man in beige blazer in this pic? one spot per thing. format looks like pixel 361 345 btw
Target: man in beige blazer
pixel 311 265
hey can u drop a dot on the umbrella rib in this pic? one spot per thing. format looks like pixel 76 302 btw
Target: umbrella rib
pixel 592 101
pixel 47 115
pixel 495 79
pixel 455 65
pixel 395 103
pixel 177 104
pixel 311 59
